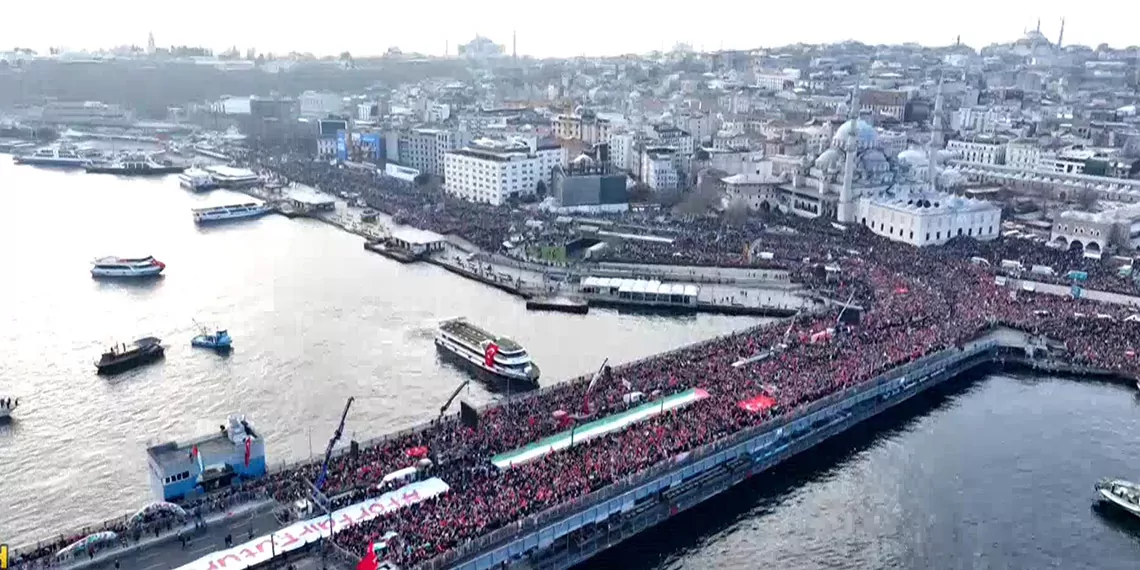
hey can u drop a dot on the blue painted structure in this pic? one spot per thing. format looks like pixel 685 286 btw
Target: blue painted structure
pixel 689 479
pixel 176 473
pixel 341 145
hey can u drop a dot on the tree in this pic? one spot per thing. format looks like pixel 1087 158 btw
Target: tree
pixel 422 179
pixel 346 59
pixel 701 199
pixel 640 193
pixel 540 190
pixel 736 213
pixel 1086 198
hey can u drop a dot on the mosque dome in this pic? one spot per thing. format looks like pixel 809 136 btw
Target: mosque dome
pixel 913 157
pixel 865 134
pixel 830 159
pixel 874 160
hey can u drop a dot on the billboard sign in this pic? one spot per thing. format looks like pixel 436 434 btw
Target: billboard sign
pixel 341 146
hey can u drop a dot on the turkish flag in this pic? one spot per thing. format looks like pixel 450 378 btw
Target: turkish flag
pixel 489 355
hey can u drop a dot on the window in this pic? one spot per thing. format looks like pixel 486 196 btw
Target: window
pixel 927 236
pixel 971 232
pixel 959 231
pixel 912 235
pixel 938 235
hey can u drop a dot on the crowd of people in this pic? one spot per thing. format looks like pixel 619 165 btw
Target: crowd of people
pixel 913 302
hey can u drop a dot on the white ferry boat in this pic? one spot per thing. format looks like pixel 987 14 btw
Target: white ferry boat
pixel 54 156
pixel 1124 494
pixel 197 180
pixel 485 353
pixel 230 177
pixel 119 267
pixel 230 213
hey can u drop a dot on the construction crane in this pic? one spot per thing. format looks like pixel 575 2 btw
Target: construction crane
pixel 332 442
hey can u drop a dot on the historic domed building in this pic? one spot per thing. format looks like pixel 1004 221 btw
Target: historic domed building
pixel 898 197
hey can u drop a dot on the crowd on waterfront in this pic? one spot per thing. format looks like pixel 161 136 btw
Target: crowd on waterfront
pixel 914 302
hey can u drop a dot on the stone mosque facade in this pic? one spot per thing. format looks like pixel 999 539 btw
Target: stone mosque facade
pixel 898 197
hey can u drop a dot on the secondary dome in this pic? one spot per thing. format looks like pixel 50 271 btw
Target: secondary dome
pixel 912 157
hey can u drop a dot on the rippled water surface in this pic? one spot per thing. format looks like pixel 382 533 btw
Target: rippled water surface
pixel 315 319
pixel 998 475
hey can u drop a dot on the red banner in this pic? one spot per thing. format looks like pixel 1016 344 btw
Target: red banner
pixel 758 404
pixel 248 449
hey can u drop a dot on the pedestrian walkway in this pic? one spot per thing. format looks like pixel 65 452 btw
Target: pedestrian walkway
pixel 192 525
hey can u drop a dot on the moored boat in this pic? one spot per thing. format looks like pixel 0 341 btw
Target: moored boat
pixel 218 340
pixel 126 268
pixel 123 357
pixel 230 212
pixel 485 353
pixel 197 180
pixel 145 167
pixel 1123 494
pixel 61 157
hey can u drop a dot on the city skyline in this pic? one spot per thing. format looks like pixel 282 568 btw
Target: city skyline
pixel 612 30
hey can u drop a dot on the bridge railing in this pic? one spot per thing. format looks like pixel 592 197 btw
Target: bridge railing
pixel 553 514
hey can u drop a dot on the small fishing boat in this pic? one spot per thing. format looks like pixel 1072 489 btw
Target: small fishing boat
pixel 218 340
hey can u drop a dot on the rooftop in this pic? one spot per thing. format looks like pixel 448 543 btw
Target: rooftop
pixel 653 287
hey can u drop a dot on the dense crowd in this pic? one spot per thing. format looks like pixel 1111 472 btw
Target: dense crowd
pixel 915 302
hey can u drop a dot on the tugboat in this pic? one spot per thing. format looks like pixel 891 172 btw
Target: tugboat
pixel 1123 494
pixel 219 341
pixel 124 357
pixel 486 354
pixel 7 406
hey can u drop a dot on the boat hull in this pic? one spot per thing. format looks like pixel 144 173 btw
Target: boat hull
pixel 198 187
pixel 143 273
pixel 51 162
pixel 480 370
pixel 147 356
pixel 206 342
pixel 155 171
pixel 222 219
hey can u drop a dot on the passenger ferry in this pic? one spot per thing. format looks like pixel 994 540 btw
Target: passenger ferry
pixel 183 470
pixel 230 213
pixel 144 167
pixel 1124 494
pixel 485 353
pixel 197 180
pixel 126 268
pixel 62 157
pixel 230 177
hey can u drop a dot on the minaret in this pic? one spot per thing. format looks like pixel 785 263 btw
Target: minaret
pixel 150 48
pixel 515 44
pixel 846 213
pixel 1039 25
pixel 935 135
pixel 1061 36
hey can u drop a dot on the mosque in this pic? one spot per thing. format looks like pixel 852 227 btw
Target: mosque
pixel 898 197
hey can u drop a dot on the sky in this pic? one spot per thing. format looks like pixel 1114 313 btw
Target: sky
pixel 550 29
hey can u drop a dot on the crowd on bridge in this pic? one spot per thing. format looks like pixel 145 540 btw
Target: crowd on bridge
pixel 911 303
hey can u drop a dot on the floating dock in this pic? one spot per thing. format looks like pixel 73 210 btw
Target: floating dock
pixel 559 304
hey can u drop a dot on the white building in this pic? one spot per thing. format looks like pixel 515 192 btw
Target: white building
pixel 983 150
pixel 1022 153
pixel 622 153
pixel 929 218
pixel 231 106
pixel 659 169
pixel 423 148
pixel 319 104
pixel 494 172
